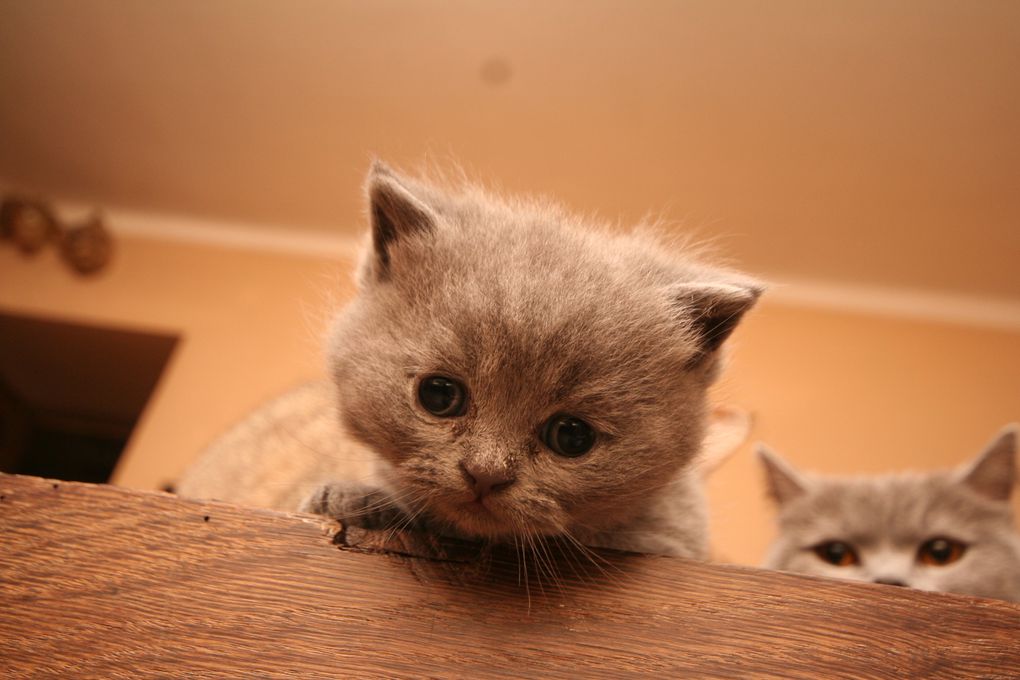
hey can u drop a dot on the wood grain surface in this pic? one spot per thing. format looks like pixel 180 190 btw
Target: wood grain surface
pixel 98 581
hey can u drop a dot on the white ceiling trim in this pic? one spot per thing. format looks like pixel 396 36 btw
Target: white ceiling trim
pixel 901 303
pixel 921 305
pixel 304 240
pixel 227 234
pixel 886 301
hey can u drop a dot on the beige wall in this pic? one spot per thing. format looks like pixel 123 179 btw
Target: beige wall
pixel 833 391
pixel 250 323
pixel 863 142
pixel 853 140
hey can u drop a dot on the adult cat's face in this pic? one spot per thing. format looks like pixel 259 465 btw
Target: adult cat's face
pixel 950 532
pixel 519 375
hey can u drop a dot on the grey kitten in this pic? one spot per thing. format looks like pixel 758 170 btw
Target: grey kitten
pixel 949 531
pixel 520 373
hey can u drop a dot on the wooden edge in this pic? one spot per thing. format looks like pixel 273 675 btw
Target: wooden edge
pixel 102 581
pixel 444 550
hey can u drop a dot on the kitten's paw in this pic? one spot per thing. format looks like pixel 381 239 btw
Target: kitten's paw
pixel 355 505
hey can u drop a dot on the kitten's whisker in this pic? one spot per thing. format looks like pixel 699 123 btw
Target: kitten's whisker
pixel 517 554
pixel 319 480
pixel 410 519
pixel 543 563
pixel 527 581
pixel 386 502
pixel 592 556
pixel 567 554
pixel 537 563
pixel 550 562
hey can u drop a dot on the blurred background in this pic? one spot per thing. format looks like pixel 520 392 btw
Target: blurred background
pixel 863 156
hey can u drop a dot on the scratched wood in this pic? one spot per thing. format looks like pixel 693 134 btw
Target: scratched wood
pixel 97 581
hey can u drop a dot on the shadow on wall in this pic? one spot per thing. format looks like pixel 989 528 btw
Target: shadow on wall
pixel 70 395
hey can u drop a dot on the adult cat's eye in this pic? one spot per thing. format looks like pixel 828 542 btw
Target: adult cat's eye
pixel 568 436
pixel 838 553
pixel 442 396
pixel 938 552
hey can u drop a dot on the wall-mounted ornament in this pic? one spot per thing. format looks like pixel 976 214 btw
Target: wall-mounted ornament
pixel 87 246
pixel 29 223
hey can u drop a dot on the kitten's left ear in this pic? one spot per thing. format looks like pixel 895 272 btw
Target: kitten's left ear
pixel 993 473
pixel 715 309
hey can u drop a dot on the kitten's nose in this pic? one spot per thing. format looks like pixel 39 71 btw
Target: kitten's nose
pixel 890 582
pixel 483 480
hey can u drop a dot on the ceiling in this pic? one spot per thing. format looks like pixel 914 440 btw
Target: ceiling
pixel 867 142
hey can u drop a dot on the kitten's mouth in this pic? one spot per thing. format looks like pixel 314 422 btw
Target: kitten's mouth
pixel 477 517
pixel 478 507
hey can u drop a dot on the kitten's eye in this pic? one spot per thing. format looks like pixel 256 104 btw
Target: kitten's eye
pixel 568 436
pixel 837 553
pixel 442 396
pixel 939 552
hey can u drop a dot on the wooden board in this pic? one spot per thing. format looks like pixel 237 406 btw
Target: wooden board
pixel 98 581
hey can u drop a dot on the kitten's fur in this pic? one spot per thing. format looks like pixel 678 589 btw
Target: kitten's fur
pixel 537 314
pixel 279 453
pixel 886 519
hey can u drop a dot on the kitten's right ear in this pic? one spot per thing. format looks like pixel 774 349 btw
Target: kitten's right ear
pixel 395 212
pixel 993 472
pixel 783 482
pixel 715 309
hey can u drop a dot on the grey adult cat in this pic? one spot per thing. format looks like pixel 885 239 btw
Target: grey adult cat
pixel 517 372
pixel 949 531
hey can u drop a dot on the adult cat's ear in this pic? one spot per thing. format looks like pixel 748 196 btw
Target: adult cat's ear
pixel 783 482
pixel 395 212
pixel 993 472
pixel 715 309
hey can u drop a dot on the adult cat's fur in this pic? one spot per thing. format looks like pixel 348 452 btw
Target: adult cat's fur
pixel 886 520
pixel 536 314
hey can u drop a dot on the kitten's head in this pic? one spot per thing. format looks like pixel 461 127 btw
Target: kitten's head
pixel 518 372
pixel 945 531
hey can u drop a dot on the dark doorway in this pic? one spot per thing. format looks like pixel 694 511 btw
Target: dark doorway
pixel 71 394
